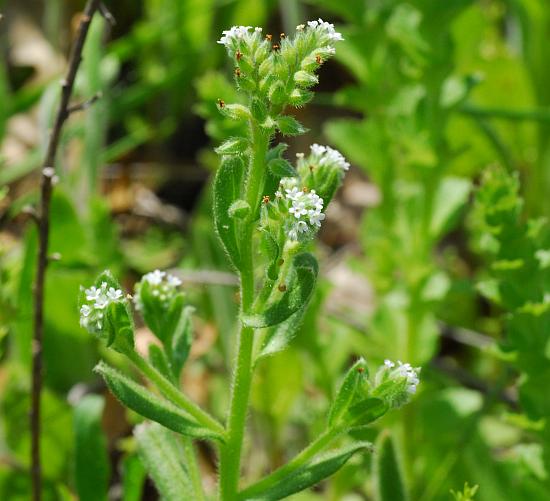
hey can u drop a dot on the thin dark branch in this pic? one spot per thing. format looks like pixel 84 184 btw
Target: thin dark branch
pixel 84 105
pixel 106 13
pixel 46 185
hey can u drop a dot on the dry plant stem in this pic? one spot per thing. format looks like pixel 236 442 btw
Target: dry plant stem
pixel 48 172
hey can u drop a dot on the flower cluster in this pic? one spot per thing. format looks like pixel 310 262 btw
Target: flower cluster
pixel 304 206
pixel 97 300
pixel 162 285
pixel 396 382
pixel 327 156
pixel 323 29
pixel 231 38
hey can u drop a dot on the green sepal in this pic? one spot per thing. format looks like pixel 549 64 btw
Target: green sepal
pixel 239 209
pixel 300 286
pixel 300 97
pixel 289 126
pixel 280 167
pixel 305 79
pixel 259 109
pixel 235 111
pixel 389 485
pixel 318 469
pixel 162 454
pixel 120 327
pixel 227 189
pixel 233 146
pixel 150 406
pixel 352 386
pixel 365 412
pixel 277 92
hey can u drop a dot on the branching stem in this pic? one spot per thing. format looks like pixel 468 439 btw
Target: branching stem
pixel 43 220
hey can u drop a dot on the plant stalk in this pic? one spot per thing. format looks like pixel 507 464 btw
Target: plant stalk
pixel 230 457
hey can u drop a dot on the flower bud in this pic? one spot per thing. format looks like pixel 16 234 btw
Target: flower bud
pixel 396 383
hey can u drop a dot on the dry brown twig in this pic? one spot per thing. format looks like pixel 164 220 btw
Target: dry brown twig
pixel 43 222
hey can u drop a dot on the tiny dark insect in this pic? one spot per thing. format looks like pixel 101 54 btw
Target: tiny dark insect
pixel 221 103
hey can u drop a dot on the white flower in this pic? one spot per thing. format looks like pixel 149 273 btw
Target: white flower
pixel 236 34
pixel 300 27
pixel 325 155
pixel 315 218
pixel 399 372
pixel 162 286
pixel 97 301
pixel 325 30
pixel 298 208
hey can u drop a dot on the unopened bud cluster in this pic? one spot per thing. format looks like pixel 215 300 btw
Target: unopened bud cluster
pixel 162 286
pixel 95 303
pixel 396 382
pixel 280 70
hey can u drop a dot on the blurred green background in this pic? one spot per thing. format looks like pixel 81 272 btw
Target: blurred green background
pixel 435 252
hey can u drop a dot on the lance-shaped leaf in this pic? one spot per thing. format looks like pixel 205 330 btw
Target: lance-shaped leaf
pixel 299 289
pixel 389 484
pixel 318 469
pixel 149 405
pixel 159 361
pixel 161 454
pixel 227 187
pixel 352 385
pixel 366 411
pixel 233 146
pixel 289 126
pixel 182 340
pixel 280 167
pixel 92 468
pixel 279 337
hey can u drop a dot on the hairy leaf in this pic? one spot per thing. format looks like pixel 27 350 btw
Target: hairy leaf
pixel 161 454
pixel 301 284
pixel 149 405
pixel 227 186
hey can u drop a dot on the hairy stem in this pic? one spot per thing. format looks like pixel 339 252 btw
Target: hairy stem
pixel 43 219
pixel 230 457
pixel 193 468
pixel 300 460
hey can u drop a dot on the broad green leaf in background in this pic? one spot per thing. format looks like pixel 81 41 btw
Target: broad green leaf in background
pixel 388 479
pixel 92 468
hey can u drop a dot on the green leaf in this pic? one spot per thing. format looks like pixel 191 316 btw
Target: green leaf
pixel 452 194
pixel 279 337
pixel 227 187
pixel 233 146
pixel 366 411
pixel 305 79
pixel 280 167
pixel 149 405
pixel 182 340
pixel 289 126
pixel 159 361
pixel 300 286
pixel 235 111
pixel 353 383
pixel 133 478
pixel 320 468
pixel 92 467
pixel 239 209
pixel 389 481
pixel 161 454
